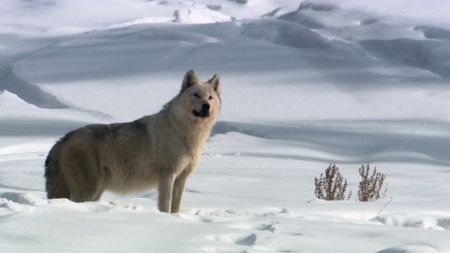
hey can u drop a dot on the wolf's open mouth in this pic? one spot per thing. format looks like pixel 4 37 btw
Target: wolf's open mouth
pixel 201 114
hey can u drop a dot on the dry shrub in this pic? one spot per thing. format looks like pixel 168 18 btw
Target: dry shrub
pixel 332 186
pixel 372 185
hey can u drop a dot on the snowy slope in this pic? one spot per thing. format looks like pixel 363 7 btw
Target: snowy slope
pixel 305 84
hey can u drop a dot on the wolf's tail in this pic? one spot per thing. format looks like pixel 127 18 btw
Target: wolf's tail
pixel 55 184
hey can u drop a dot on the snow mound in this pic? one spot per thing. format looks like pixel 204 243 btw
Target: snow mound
pixel 19 118
pixel 230 215
pixel 26 201
pixel 284 33
pixel 32 94
pixel 300 18
pixel 416 220
pixel 410 249
pixel 14 103
pixel 432 32
pixel 23 198
pixel 277 12
pixel 343 143
pixel 199 16
pixel 94 207
pixel 430 55
pixel 142 21
pixel 17 202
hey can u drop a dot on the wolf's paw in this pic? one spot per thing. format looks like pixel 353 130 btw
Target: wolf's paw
pixel 243 230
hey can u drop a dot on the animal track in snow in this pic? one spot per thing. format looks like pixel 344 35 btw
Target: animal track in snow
pixel 126 206
pixel 221 215
pixel 265 226
pixel 241 230
pixel 22 198
pixel 20 202
pixel 233 243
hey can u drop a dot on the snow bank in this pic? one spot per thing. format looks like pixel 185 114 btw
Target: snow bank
pixel 284 33
pixel 416 220
pixel 430 12
pixel 199 16
pixel 430 55
pixel 27 91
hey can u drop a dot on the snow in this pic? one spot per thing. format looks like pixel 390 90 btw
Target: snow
pixel 304 84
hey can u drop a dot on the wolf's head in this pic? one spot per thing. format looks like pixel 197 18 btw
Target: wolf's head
pixel 198 102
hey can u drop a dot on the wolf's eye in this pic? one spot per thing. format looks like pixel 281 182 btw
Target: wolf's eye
pixel 196 95
pixel 210 97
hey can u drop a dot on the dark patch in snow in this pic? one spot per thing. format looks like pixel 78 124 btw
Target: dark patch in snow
pixel 393 250
pixel 369 21
pixel 273 13
pixel 193 191
pixel 21 198
pixel 267 227
pixel 240 1
pixel 248 240
pixel 214 7
pixel 224 127
pixel 41 5
pixel 317 7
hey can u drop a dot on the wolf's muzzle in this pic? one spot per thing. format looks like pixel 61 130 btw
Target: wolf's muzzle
pixel 204 112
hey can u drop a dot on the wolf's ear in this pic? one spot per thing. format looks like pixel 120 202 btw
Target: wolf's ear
pixel 189 79
pixel 215 83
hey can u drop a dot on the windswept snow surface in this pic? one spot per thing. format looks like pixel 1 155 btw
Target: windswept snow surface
pixel 304 84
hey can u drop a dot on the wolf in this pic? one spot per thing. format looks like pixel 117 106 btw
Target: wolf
pixel 160 150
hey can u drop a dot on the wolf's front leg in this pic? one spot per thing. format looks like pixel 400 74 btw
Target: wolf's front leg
pixel 178 189
pixel 165 189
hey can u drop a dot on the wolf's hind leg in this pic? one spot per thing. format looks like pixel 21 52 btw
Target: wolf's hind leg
pixel 83 177
pixel 57 187
pixel 88 191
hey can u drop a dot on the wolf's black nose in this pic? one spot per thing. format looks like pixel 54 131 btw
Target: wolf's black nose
pixel 205 107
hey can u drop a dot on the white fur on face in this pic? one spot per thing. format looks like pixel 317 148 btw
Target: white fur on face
pixel 196 96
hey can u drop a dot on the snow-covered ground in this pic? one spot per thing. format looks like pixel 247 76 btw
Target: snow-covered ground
pixel 304 84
